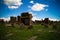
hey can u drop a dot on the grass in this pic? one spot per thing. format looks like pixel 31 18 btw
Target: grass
pixel 25 34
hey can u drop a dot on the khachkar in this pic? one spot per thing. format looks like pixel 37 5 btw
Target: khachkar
pixel 12 20
pixel 2 21
pixel 46 21
pixel 18 19
pixel 26 18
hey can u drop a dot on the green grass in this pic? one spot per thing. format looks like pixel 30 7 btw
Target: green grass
pixel 25 34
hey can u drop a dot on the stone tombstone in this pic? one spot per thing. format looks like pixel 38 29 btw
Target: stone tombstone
pixel 26 18
pixel 21 26
pixel 46 20
pixel 12 20
pixel 1 21
pixel 18 19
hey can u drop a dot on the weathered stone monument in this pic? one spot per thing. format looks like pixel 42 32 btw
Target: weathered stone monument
pixel 18 19
pixel 2 21
pixel 46 22
pixel 26 18
pixel 12 20
pixel 21 26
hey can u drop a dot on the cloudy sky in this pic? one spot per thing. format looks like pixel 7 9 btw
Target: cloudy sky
pixel 39 8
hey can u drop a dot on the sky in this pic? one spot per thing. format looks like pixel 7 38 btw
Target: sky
pixel 40 9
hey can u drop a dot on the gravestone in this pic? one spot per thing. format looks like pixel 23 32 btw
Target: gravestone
pixel 18 19
pixel 21 26
pixel 26 18
pixel 2 21
pixel 46 20
pixel 12 20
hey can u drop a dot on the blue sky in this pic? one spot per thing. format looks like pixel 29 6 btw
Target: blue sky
pixel 39 8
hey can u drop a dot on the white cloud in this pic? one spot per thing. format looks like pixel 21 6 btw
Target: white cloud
pixel 35 18
pixel 53 19
pixel 13 3
pixel 32 2
pixel 38 7
pixel 5 19
pixel 12 7
pixel 30 13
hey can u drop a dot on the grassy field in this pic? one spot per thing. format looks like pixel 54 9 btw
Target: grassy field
pixel 38 30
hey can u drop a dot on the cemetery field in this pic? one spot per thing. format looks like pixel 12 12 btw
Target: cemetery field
pixel 38 32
